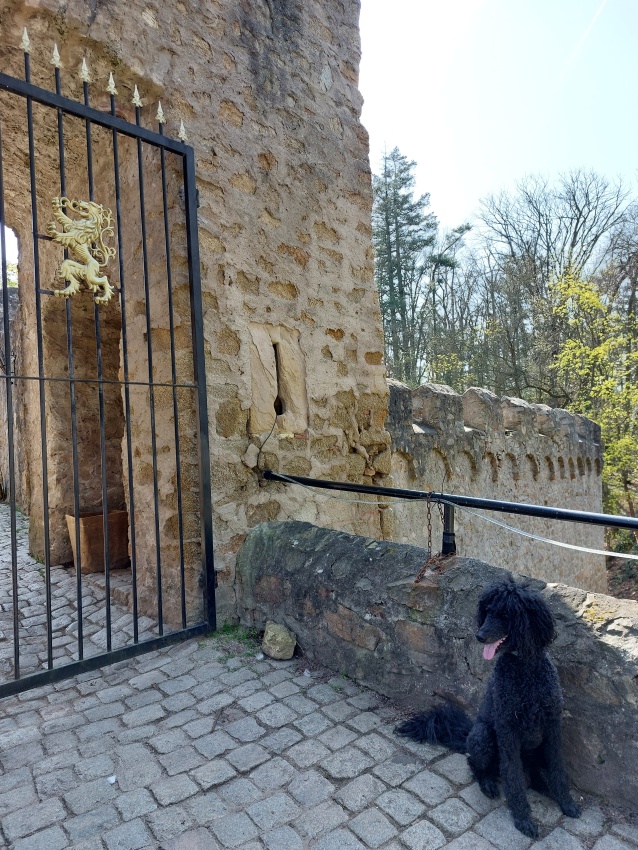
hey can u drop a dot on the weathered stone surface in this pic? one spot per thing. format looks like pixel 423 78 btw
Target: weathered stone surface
pixel 481 445
pixel 335 590
pixel 291 322
pixel 278 642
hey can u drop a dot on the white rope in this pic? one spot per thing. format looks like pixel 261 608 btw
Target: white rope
pixel 537 537
pixel 512 528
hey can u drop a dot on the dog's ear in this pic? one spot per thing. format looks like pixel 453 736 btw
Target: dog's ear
pixel 532 623
pixel 541 620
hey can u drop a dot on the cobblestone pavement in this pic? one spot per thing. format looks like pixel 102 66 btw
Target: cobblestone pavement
pixel 207 745
pixel 32 608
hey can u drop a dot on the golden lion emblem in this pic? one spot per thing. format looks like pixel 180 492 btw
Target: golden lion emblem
pixel 84 238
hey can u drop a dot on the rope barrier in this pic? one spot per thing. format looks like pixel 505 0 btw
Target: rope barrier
pixel 512 528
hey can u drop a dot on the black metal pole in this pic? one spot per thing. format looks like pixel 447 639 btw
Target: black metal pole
pixel 589 518
pixel 40 347
pixel 8 370
pixel 178 461
pixel 75 462
pixel 100 392
pixel 197 327
pixel 448 546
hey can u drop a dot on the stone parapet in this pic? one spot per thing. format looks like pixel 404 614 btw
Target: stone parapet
pixel 353 606
pixel 479 444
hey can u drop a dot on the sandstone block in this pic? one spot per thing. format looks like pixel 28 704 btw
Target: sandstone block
pixel 481 409
pixel 278 642
pixel 438 405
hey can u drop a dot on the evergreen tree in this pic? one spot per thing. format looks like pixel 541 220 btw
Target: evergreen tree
pixel 403 236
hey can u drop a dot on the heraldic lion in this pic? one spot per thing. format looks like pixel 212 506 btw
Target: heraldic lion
pixel 84 238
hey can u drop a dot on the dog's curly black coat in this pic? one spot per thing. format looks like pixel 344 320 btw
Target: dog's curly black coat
pixel 517 732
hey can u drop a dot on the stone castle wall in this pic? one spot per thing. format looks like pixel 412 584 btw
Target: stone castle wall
pixel 268 93
pixel 481 445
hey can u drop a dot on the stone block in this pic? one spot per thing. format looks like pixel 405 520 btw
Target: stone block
pixel 348 626
pixel 373 828
pixel 518 415
pixel 482 410
pixel 401 806
pixel 438 406
pixel 423 836
pixel 278 642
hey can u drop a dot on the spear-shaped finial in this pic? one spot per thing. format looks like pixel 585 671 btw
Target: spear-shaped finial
pixel 111 86
pixel 182 132
pixel 25 44
pixel 137 100
pixel 55 59
pixel 160 113
pixel 84 72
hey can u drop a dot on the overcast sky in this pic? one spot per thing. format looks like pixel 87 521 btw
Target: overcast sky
pixel 482 92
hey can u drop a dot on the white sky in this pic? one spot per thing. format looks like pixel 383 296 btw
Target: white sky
pixel 482 92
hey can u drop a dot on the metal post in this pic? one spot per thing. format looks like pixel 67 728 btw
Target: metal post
pixel 448 546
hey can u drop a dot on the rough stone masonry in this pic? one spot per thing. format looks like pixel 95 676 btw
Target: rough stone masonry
pixel 268 94
pixel 354 606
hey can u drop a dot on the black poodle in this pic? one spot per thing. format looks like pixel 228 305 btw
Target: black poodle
pixel 517 731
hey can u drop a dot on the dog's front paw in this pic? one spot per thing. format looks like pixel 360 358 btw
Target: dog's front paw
pixel 570 809
pixel 527 827
pixel 490 788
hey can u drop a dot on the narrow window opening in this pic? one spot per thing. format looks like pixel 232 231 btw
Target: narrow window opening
pixel 11 256
pixel 279 405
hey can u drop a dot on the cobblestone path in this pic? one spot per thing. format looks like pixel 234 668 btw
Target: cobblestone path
pixel 208 746
pixel 32 608
pixel 202 747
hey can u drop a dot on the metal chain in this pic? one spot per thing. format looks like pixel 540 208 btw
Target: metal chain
pixel 434 561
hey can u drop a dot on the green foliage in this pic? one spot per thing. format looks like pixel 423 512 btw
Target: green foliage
pixel 238 634
pixel 12 274
pixel 597 363
pixel 541 304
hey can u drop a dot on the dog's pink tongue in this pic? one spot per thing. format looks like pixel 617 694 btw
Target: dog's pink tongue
pixel 489 650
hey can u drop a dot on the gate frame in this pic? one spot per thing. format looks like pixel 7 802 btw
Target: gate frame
pixel 64 105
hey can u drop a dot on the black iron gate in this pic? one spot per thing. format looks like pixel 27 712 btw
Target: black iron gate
pixel 104 456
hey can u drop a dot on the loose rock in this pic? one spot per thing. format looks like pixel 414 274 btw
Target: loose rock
pixel 278 642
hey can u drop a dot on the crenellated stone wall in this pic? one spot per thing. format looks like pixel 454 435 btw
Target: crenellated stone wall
pixel 478 444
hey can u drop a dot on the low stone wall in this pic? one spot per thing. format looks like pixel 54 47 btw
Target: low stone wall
pixel 354 607
pixel 478 444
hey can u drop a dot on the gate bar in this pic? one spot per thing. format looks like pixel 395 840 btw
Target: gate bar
pixel 104 119
pixel 9 388
pixel 171 320
pixel 100 393
pixel 74 419
pixel 197 329
pixel 94 662
pixel 151 390
pixel 41 384
pixel 127 393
